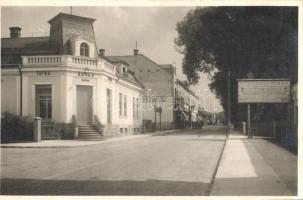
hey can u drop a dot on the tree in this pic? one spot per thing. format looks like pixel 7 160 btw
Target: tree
pixel 257 40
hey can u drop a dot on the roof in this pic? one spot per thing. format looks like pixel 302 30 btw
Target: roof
pixel 148 73
pixel 185 87
pixel 13 48
pixel 115 60
pixel 21 42
pixel 130 76
pixel 134 60
pixel 69 16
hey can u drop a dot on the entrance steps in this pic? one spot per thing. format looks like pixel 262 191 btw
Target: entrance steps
pixel 88 132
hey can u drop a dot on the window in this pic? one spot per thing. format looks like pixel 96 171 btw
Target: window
pixel 84 49
pixel 109 105
pixel 120 104
pixel 44 101
pixel 134 107
pixel 121 130
pixel 125 130
pixel 125 105
pixel 137 107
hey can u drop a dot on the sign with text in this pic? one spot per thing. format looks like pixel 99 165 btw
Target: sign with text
pixel 263 91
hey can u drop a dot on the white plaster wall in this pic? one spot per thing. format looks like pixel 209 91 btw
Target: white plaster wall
pixel 64 102
pixel 30 80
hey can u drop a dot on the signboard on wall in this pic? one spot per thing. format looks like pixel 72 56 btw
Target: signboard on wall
pixel 263 91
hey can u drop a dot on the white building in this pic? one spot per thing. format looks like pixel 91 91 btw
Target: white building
pixel 63 79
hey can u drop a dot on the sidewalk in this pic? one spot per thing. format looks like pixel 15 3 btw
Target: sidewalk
pixel 79 143
pixel 253 167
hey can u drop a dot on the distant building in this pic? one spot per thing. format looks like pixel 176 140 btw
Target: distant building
pixel 178 105
pixel 64 79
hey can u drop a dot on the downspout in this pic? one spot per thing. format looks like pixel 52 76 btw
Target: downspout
pixel 21 86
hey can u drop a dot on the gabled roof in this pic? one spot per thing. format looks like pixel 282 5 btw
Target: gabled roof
pixel 139 59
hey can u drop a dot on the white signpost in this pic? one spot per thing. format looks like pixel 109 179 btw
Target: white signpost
pixel 262 91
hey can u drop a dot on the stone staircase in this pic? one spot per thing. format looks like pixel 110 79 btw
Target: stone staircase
pixel 88 132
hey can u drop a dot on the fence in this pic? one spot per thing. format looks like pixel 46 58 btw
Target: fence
pixel 280 131
pixel 52 130
pixel 262 129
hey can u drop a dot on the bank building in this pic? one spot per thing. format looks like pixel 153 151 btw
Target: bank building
pixel 64 80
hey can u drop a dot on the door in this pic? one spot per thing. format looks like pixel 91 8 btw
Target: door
pixel 44 102
pixel 84 104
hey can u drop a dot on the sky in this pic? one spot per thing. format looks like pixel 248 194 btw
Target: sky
pixel 116 30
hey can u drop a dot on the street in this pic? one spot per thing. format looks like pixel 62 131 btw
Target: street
pixel 179 163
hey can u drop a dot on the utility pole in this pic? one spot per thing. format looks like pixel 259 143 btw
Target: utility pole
pixel 228 103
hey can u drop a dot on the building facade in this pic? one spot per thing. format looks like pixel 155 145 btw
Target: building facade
pixel 166 103
pixel 64 79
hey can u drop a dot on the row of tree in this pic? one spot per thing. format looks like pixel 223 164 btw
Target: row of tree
pixel 254 42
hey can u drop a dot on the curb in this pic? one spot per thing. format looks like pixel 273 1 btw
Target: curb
pixel 115 139
pixel 211 184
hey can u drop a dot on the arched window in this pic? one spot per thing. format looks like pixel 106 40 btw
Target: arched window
pixel 84 49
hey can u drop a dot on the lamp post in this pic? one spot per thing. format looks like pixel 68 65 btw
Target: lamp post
pixel 155 110
pixel 228 103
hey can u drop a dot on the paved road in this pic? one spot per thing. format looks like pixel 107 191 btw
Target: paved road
pixel 180 163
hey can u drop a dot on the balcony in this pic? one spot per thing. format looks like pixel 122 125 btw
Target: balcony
pixel 67 61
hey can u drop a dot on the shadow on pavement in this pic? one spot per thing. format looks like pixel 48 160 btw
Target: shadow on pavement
pixel 246 186
pixel 101 187
pixel 274 168
pixel 281 161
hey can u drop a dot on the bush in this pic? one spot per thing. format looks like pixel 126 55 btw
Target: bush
pixel 16 128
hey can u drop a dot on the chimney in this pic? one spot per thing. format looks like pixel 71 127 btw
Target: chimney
pixel 136 51
pixel 102 52
pixel 15 32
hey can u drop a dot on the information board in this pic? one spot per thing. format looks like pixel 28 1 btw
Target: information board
pixel 263 91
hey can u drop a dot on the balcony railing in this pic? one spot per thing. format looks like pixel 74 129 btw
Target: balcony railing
pixel 84 61
pixel 67 60
pixel 37 60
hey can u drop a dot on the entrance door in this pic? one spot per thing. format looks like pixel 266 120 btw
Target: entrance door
pixel 84 104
